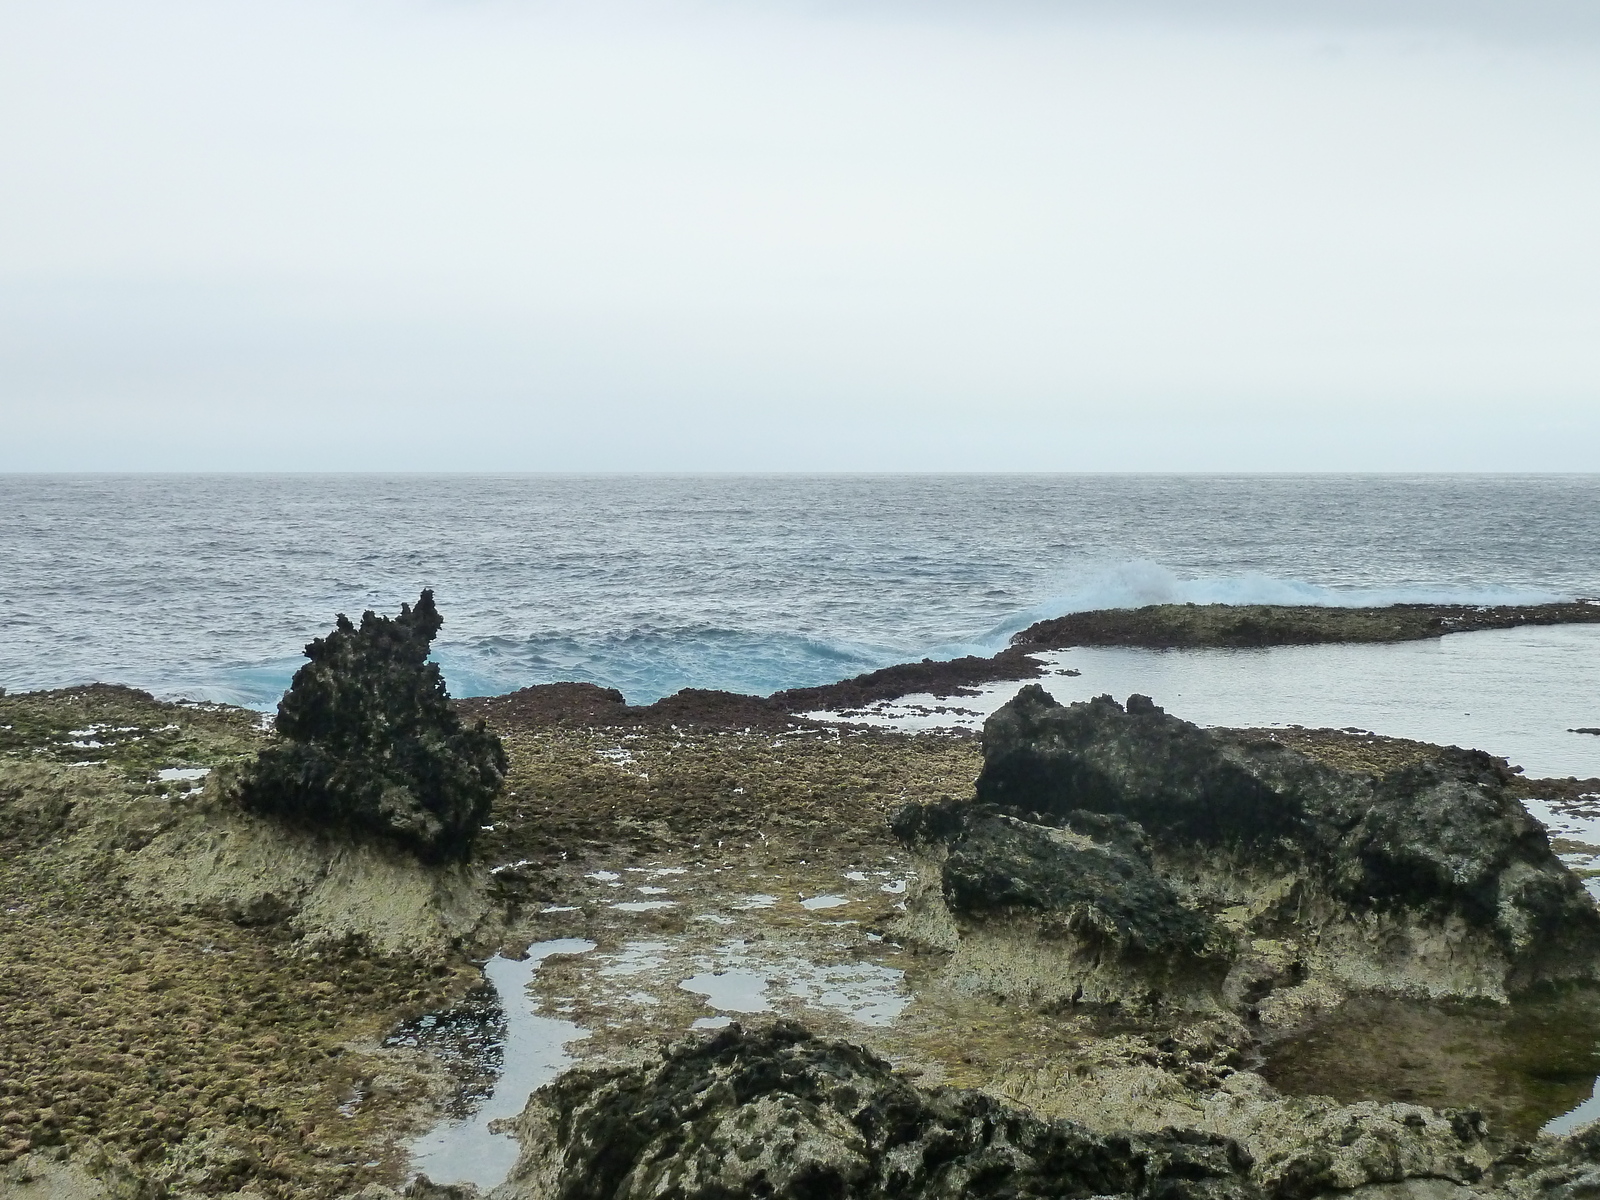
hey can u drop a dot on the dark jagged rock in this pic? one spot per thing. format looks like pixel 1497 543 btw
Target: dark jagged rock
pixel 783 1114
pixel 1089 872
pixel 589 705
pixel 367 740
pixel 1170 776
pixel 1444 836
pixel 943 677
pixel 1190 626
pixel 1432 879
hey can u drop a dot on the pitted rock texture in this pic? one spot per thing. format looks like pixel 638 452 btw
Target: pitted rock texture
pixel 367 740
pixel 780 1113
pixel 1433 879
pixel 1091 873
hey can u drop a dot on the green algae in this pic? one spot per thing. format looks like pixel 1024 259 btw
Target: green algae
pixel 188 1051
pixel 121 727
pixel 176 1050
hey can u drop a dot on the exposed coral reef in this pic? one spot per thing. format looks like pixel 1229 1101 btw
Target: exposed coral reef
pixel 1264 870
pixel 1171 626
pixel 783 1114
pixel 367 739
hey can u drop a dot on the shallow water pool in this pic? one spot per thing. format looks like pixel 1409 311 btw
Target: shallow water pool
pixel 1516 693
pixel 532 1053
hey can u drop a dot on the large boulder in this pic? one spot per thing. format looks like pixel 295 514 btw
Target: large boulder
pixel 783 1114
pixel 1059 906
pixel 1433 880
pixel 367 741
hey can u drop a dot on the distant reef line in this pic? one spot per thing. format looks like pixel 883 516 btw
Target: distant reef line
pixel 1153 627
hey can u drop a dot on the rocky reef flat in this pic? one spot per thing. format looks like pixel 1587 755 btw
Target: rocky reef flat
pixel 1180 627
pixel 797 960
pixel 1238 626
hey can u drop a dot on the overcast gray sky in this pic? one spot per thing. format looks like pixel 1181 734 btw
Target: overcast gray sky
pixel 872 235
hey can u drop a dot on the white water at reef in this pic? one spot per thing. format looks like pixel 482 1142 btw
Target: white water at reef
pixel 1516 693
pixel 207 586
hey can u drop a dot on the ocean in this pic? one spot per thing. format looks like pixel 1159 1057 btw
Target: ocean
pixel 207 586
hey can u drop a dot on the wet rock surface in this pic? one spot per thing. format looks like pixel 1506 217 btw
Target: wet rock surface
pixel 781 1113
pixel 196 1002
pixel 1238 626
pixel 586 705
pixel 944 677
pixel 367 740
pixel 1081 876
pixel 1431 879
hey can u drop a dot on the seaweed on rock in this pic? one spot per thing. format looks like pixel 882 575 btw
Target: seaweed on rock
pixel 367 740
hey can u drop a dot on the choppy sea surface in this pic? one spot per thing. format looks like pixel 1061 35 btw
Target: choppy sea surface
pixel 207 586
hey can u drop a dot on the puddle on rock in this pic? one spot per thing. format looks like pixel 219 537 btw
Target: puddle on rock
pixel 731 991
pixel 517 1052
pixel 865 992
pixel 816 903
pixel 1523 1066
pixel 1574 827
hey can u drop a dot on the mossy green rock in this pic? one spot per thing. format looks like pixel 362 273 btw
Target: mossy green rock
pixel 367 740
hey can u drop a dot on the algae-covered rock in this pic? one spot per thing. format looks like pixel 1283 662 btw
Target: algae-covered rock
pixel 783 1114
pixel 367 740
pixel 1432 880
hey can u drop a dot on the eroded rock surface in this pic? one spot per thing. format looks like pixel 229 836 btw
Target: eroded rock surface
pixel 367 740
pixel 783 1114
pixel 1108 844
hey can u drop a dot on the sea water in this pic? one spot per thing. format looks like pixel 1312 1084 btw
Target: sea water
pixel 208 586
pixel 1520 693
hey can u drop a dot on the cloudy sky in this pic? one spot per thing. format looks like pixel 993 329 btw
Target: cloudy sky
pixel 847 235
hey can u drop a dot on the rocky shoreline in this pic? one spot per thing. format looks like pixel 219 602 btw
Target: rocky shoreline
pixel 925 965
pixel 1153 627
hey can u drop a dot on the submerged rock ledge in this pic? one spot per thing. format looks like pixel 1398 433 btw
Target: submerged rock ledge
pixel 1237 626
pixel 1155 626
